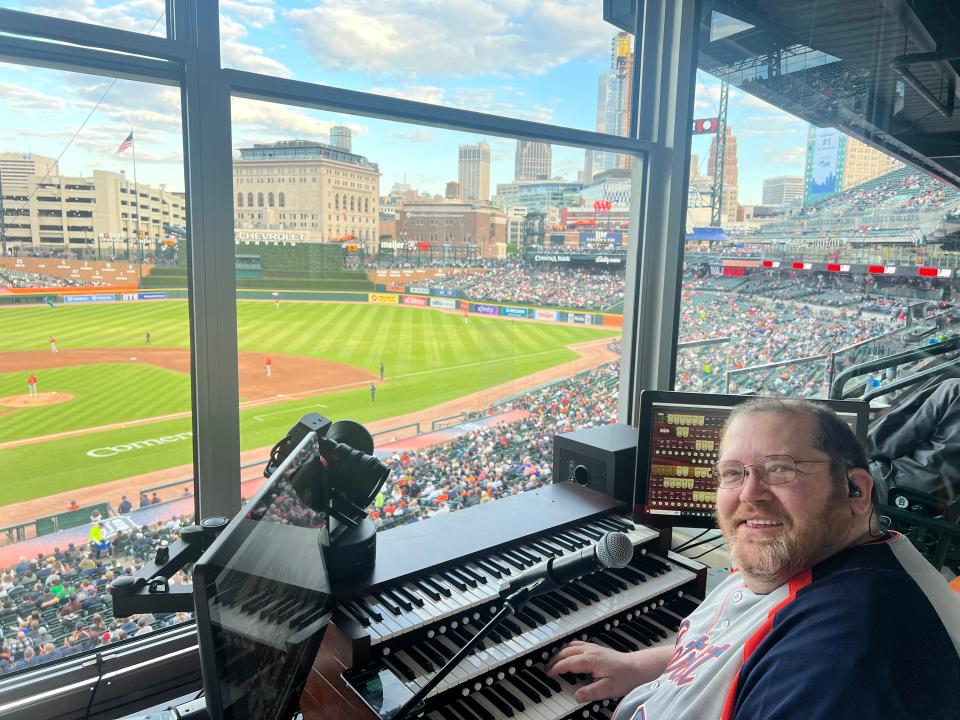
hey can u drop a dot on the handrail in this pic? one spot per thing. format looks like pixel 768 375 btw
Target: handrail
pixel 912 379
pixel 865 368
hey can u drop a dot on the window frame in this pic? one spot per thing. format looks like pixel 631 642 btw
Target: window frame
pixel 189 58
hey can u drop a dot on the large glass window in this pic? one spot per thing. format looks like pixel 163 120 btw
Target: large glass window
pixel 462 315
pixel 146 17
pixel 808 251
pixel 558 63
pixel 95 413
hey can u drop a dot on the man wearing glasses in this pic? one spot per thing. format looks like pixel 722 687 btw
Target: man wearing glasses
pixel 824 616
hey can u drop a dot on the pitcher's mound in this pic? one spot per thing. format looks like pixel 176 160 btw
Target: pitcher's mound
pixel 44 398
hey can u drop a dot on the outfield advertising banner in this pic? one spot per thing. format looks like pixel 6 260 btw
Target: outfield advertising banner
pixel 97 297
pixel 486 309
pixel 445 303
pixel 384 298
pixel 579 318
pixel 394 288
pixel 442 292
pixel 410 300
pixel 544 314
pixel 152 296
pixel 515 312
pixel 419 290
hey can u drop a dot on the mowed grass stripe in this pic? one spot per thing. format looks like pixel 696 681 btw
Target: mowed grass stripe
pixel 103 394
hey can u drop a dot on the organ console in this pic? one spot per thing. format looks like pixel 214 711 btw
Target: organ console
pixel 437 583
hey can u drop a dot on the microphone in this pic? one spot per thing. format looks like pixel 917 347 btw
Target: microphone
pixel 613 550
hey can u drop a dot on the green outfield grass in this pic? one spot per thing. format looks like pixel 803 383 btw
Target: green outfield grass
pixel 430 357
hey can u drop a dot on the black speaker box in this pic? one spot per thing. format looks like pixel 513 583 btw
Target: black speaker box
pixel 602 458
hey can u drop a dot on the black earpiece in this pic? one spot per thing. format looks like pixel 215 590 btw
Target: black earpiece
pixel 852 489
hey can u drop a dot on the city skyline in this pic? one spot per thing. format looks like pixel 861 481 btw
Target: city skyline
pixel 552 64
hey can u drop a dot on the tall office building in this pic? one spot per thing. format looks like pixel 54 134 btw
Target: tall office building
pixel 16 170
pixel 782 190
pixel 863 163
pixel 613 106
pixel 533 161
pixel 341 137
pixel 731 173
pixel 474 173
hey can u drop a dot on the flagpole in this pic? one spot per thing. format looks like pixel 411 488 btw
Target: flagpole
pixel 136 194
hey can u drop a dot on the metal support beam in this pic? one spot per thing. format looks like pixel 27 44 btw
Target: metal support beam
pixel 720 163
pixel 212 282
pixel 657 215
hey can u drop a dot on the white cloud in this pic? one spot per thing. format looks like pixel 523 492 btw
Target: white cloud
pixel 478 99
pixel 243 56
pixel 17 97
pixel 269 122
pixel 134 15
pixel 258 13
pixel 453 38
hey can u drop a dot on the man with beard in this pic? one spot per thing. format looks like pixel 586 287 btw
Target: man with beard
pixel 824 615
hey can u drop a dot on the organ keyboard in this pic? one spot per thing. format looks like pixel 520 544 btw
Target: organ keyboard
pixel 437 583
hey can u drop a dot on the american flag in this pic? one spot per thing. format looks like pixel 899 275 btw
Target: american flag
pixel 125 144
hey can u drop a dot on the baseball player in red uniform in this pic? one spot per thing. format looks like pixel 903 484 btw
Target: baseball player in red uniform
pixel 53 344
pixel 825 614
pixel 268 366
pixel 32 385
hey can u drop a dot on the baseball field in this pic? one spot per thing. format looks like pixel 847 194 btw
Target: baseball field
pixel 108 405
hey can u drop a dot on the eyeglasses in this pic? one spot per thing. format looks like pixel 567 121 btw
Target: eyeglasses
pixel 771 469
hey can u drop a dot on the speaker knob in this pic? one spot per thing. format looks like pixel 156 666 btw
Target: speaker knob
pixel 581 475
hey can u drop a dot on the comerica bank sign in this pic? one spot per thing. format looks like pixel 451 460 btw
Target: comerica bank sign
pixel 110 451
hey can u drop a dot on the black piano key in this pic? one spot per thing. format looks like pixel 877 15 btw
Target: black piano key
pixel 419 657
pixel 631 575
pixel 542 548
pixel 460 707
pixel 624 638
pixel 592 582
pixel 441 647
pixel 546 607
pixel 477 577
pixel 489 567
pixel 555 600
pixel 448 714
pixel 645 623
pixel 388 603
pixel 511 626
pixel 367 610
pixel 570 679
pixel 564 600
pixel 398 599
pixel 576 541
pixel 609 524
pixel 612 580
pixel 556 547
pixel 356 614
pixel 307 618
pixel 465 577
pixel 538 686
pixel 683 606
pixel 563 542
pixel 631 630
pixel 410 595
pixel 524 562
pixel 576 593
pixel 511 699
pixel 590 532
pixel 613 642
pixel 666 619
pixel 504 569
pixel 528 612
pixel 546 679
pixel 437 585
pixel 530 557
pixel 429 650
pixel 478 709
pixel 580 535
pixel 498 702
pixel 403 668
pixel 515 563
pixel 426 590
pixel 584 590
pixel 454 580
pixel 524 688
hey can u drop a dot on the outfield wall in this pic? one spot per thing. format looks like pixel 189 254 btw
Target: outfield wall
pixel 411 296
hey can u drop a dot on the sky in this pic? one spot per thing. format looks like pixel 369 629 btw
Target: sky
pixel 530 59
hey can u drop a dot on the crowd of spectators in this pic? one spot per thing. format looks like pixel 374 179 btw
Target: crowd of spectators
pixel 56 605
pixel 10 278
pixel 528 284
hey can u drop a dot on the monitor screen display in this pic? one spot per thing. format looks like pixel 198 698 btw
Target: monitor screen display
pixel 679 441
pixel 263 600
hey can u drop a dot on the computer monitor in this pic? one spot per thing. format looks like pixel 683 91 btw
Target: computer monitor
pixel 263 601
pixel 679 441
